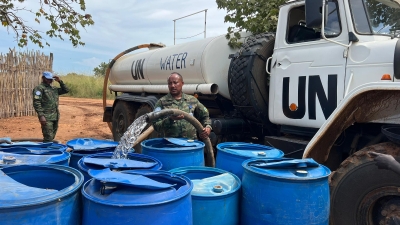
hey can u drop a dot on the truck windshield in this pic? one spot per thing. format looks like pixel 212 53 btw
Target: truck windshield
pixel 376 16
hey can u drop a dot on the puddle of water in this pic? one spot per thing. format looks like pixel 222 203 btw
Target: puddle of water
pixel 129 137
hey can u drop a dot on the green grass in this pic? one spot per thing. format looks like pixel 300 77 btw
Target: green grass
pixel 83 86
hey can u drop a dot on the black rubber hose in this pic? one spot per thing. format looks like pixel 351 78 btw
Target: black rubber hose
pixel 210 161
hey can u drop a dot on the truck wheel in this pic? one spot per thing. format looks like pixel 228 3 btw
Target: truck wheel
pixel 248 81
pixel 144 109
pixel 361 193
pixel 123 116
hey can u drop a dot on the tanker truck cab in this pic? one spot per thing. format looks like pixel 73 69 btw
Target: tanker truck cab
pixel 313 71
pixel 335 69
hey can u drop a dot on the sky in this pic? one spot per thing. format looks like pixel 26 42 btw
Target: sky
pixel 120 25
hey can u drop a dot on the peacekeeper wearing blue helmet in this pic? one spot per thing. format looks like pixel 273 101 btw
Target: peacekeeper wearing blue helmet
pixel 45 102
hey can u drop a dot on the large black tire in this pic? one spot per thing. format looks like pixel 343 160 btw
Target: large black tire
pixel 144 109
pixel 362 194
pixel 123 117
pixel 248 81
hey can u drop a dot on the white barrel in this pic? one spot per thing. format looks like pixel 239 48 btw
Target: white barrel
pixel 203 64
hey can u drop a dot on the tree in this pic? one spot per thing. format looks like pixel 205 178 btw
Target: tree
pixel 61 14
pixel 100 70
pixel 255 16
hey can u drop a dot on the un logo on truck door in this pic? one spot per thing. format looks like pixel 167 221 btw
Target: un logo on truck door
pixel 315 90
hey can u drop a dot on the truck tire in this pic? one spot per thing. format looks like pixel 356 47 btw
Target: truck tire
pixel 144 109
pixel 248 81
pixel 123 116
pixel 362 194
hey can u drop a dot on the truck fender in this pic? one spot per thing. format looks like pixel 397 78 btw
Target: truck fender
pixel 366 103
pixel 150 100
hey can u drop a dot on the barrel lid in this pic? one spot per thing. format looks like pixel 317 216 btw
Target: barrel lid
pixel 172 144
pixel 29 144
pixel 183 142
pixel 26 144
pixel 90 144
pixel 144 187
pixel 118 163
pixel 146 160
pixel 13 190
pixel 31 155
pixel 27 185
pixel 217 185
pixel 293 169
pixel 205 180
pixel 249 150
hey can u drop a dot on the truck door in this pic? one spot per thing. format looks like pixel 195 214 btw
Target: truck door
pixel 307 72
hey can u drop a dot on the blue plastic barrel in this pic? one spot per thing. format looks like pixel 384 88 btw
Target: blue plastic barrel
pixel 32 155
pixel 285 192
pixel 175 152
pixel 143 162
pixel 40 195
pixel 88 146
pixel 230 155
pixel 215 195
pixel 148 197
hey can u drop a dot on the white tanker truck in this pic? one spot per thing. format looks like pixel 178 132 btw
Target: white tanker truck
pixel 325 95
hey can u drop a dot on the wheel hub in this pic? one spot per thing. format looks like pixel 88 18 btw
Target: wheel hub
pixel 380 206
pixel 121 124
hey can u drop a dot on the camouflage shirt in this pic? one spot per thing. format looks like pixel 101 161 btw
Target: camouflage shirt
pixel 45 100
pixel 181 128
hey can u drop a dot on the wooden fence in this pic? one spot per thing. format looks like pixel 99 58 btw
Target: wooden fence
pixel 19 74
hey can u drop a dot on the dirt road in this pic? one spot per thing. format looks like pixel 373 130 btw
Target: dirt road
pixel 79 118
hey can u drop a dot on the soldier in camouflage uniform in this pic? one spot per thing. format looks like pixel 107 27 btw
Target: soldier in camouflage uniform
pixel 175 126
pixel 45 102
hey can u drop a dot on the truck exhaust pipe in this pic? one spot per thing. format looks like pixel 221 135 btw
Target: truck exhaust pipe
pixel 210 161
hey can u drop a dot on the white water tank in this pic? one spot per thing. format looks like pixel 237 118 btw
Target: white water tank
pixel 201 63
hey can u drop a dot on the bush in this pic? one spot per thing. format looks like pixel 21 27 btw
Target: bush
pixel 83 86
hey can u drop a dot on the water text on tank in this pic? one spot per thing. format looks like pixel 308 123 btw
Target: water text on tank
pixel 179 63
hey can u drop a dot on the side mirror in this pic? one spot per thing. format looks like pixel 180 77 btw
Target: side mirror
pixel 314 13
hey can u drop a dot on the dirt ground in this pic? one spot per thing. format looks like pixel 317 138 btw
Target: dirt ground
pixel 80 118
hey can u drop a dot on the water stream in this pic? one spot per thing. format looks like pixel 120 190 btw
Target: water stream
pixel 129 137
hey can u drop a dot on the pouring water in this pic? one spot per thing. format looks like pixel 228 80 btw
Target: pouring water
pixel 129 137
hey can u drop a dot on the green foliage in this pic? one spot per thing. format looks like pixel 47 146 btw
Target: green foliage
pixel 100 70
pixel 82 86
pixel 255 16
pixel 381 15
pixel 61 14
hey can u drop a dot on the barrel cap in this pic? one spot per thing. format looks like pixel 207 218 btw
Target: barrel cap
pixel 290 169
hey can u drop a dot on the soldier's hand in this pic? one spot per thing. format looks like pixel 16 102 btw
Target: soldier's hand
pixel 178 117
pixel 383 161
pixel 205 133
pixel 57 78
pixel 42 120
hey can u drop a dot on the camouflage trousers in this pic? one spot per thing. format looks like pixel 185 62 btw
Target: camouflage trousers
pixel 49 130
